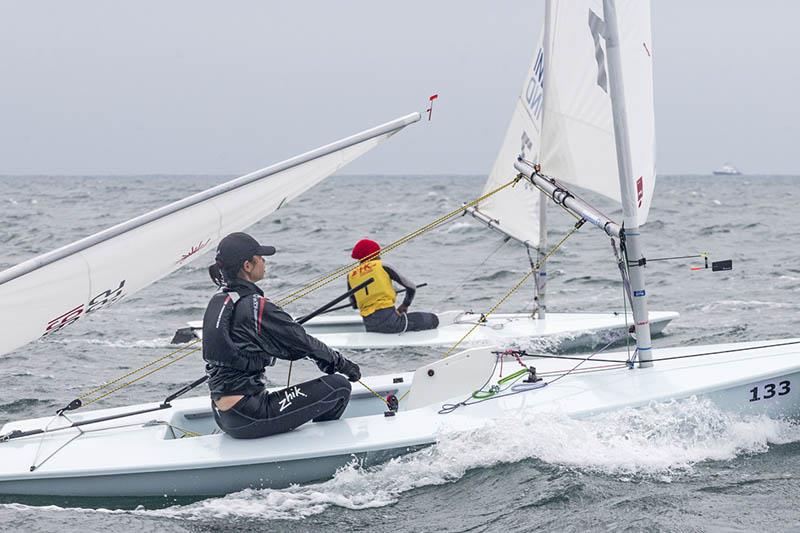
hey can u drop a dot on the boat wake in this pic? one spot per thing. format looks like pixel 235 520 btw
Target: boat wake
pixel 657 442
pixel 156 343
pixel 654 443
pixel 741 305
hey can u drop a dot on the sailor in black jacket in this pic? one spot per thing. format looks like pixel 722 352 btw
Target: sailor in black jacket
pixel 243 333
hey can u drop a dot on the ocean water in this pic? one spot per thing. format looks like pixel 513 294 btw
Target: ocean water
pixel 679 466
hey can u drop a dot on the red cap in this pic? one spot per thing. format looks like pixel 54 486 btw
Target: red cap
pixel 365 248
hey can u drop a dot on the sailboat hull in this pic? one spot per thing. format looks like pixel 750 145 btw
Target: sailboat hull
pixel 180 451
pixel 565 331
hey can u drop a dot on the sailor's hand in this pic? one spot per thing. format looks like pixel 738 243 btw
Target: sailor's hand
pixel 325 366
pixel 349 369
pixel 403 309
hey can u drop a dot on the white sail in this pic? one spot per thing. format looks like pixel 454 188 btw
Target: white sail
pixel 578 145
pixel 515 211
pixel 51 291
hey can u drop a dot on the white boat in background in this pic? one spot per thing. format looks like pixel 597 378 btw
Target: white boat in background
pixel 174 448
pixel 562 331
pixel 727 170
pixel 518 213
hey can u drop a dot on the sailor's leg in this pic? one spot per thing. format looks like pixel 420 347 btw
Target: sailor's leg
pixel 320 399
pixel 385 321
pixel 419 321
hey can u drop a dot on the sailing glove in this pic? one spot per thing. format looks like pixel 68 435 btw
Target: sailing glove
pixel 349 369
pixel 341 365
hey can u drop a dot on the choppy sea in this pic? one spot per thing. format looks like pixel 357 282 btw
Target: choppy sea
pixel 681 466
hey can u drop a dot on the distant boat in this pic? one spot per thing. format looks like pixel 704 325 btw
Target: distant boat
pixel 727 170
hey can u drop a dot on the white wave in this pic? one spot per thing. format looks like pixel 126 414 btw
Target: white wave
pixel 461 227
pixel 743 304
pixel 658 441
pixel 161 342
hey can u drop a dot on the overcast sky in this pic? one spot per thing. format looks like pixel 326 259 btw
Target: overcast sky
pixel 97 87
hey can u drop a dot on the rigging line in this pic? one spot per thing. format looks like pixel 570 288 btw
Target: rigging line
pixel 626 295
pixel 35 466
pixel 674 357
pixel 131 382
pixel 601 368
pixel 519 284
pixel 135 371
pixel 463 282
pixel 537 280
pixel 376 394
pixel 495 392
pixel 574 368
pixel 649 260
pixel 82 432
pixel 327 278
pixel 41 441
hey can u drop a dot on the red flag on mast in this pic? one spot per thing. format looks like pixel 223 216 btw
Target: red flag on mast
pixel 431 98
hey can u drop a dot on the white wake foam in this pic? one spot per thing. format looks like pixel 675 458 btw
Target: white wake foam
pixel 159 343
pixel 658 441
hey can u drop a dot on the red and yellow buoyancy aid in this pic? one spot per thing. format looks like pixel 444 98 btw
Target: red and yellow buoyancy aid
pixel 379 294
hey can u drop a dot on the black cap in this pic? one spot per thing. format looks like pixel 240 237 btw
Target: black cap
pixel 236 248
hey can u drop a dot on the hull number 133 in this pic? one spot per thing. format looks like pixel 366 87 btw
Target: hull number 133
pixel 770 390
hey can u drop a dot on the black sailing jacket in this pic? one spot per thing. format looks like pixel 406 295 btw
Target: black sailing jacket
pixel 242 334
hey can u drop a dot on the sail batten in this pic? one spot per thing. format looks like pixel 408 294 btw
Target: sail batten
pixel 49 292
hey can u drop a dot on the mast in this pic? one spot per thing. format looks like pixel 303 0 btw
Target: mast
pixel 541 275
pixel 635 254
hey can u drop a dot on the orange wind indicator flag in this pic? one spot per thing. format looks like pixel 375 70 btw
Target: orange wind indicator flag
pixel 431 98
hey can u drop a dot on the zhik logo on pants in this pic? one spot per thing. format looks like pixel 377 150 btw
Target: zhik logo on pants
pixel 288 396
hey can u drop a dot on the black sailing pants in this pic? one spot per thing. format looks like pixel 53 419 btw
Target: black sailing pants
pixel 389 321
pixel 264 414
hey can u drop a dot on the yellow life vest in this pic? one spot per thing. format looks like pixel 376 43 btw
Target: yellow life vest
pixel 379 294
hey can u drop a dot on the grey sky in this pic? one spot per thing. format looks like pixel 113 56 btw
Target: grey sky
pixel 191 86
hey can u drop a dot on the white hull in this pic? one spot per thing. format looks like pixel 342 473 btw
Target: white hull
pixel 137 457
pixel 564 330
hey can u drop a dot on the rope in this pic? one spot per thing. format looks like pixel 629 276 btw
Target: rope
pixel 108 384
pixel 496 391
pixel 671 358
pixel 292 297
pixel 331 276
pixel 626 296
pixel 516 287
pixel 376 394
pixel 131 382
pixel 474 270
